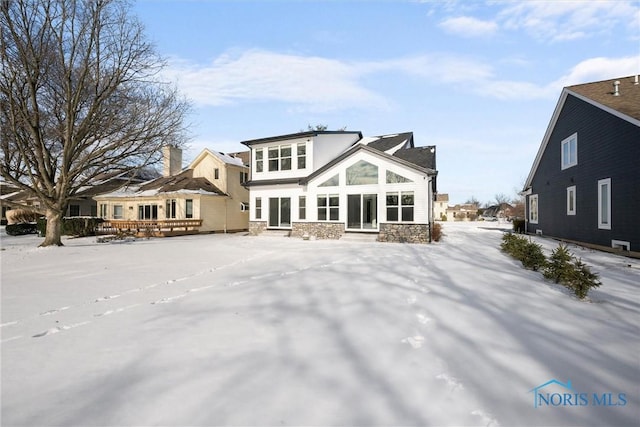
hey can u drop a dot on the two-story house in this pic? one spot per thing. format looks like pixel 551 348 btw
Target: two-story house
pixel 210 192
pixel 584 185
pixel 323 184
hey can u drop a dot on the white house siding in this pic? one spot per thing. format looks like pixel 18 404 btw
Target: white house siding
pixel 331 146
pixel 420 186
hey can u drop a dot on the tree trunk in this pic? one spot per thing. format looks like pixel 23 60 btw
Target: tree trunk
pixel 54 229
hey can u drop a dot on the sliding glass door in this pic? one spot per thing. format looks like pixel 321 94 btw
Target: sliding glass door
pixel 280 212
pixel 362 212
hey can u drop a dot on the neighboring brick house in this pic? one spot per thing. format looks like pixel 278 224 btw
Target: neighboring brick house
pixel 323 184
pixel 584 185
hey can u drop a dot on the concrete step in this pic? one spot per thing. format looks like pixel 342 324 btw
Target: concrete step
pixel 359 237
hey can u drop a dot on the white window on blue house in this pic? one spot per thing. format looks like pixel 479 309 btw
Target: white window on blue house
pixel 571 200
pixel 569 151
pixel 533 209
pixel 604 204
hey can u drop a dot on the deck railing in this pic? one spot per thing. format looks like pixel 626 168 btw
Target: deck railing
pixel 152 227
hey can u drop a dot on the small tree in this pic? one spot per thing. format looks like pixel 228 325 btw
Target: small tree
pixel 582 279
pixel 559 266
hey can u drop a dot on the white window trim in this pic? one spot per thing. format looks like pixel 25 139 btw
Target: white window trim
pixel 601 224
pixel 565 163
pixel 531 198
pixel 571 210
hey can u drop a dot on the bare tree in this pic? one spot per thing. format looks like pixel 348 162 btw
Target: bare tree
pixel 501 198
pixel 79 96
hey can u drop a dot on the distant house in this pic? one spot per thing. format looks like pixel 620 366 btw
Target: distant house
pixel 207 196
pixel 440 207
pixel 501 211
pixel 584 185
pixel 81 203
pixel 324 184
pixel 463 212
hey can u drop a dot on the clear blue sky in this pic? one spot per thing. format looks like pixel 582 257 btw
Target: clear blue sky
pixel 478 79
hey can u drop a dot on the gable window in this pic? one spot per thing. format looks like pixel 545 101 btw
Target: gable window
pixel 533 208
pixel 328 207
pixel 393 178
pixel 604 204
pixel 118 212
pixel 400 205
pixel 302 155
pixel 362 173
pixel 259 160
pixel 569 151
pixel 571 200
pixel 170 211
pixel 331 182
pixel 258 207
pixel 302 207
pixel 189 208
pixel 280 158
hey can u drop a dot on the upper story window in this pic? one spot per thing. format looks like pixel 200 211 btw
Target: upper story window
pixel 302 155
pixel 569 151
pixel 280 158
pixel 259 160
pixel 362 173
pixel 331 182
pixel 216 173
pixel 393 178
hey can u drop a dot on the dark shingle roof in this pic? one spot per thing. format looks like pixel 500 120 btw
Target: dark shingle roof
pixel 424 157
pixel 387 142
pixel 627 102
pixel 182 181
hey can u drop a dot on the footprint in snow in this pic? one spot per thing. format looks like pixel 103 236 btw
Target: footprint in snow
pixel 411 299
pixel 105 298
pixel 414 341
pixel 57 329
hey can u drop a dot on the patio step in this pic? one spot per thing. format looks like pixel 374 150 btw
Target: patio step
pixel 359 237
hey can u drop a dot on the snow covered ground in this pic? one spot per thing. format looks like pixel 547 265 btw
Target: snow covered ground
pixel 231 329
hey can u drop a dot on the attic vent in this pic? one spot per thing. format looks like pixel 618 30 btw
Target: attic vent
pixel 616 84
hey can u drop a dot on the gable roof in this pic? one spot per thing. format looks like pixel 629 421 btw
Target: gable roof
pixel 387 142
pixel 359 147
pixel 626 102
pixel 626 105
pixel 228 159
pixel 184 182
pixel 424 157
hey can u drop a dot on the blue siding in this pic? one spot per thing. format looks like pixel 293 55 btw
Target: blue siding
pixel 608 147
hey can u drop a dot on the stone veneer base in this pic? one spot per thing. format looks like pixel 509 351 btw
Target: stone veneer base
pixel 318 230
pixel 404 233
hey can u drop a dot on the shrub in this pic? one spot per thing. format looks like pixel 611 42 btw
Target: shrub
pixel 21 229
pixel 436 232
pixel 582 279
pixel 513 245
pixel 518 226
pixel 532 256
pixel 74 226
pixel 559 266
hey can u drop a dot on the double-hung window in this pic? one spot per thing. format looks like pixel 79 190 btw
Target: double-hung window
pixel 279 158
pixel 118 212
pixel 302 155
pixel 188 208
pixel 170 211
pixel 604 204
pixel 259 160
pixel 302 207
pixel 569 151
pixel 400 206
pixel 571 200
pixel 328 207
pixel 258 207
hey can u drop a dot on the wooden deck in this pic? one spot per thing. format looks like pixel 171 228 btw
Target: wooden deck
pixel 150 228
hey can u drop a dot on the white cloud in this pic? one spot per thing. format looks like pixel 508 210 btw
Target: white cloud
pixel 467 26
pixel 257 75
pixel 312 83
pixel 569 20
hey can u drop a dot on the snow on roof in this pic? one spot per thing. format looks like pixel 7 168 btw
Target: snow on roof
pixel 232 160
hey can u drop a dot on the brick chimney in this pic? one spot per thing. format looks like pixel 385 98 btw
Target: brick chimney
pixel 172 160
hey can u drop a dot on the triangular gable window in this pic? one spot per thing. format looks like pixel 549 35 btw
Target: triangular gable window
pixel 362 173
pixel 331 182
pixel 393 178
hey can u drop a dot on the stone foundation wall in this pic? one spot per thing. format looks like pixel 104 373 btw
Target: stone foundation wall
pixel 404 233
pixel 318 230
pixel 257 227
